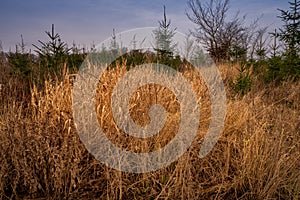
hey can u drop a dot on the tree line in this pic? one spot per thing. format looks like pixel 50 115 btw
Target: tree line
pixel 275 56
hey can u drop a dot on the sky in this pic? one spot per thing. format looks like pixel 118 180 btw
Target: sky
pixel 90 22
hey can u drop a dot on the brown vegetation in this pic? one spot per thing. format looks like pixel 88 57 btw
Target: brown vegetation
pixel 256 157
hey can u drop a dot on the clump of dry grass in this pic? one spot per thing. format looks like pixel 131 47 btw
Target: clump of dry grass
pixel 256 157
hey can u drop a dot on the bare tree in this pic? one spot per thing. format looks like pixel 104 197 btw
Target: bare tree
pixel 214 31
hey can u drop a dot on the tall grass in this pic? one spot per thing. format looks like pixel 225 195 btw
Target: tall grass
pixel 256 157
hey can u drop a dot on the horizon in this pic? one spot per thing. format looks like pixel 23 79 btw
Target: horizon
pixel 90 22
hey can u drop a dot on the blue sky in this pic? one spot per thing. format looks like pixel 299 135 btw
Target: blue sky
pixel 92 21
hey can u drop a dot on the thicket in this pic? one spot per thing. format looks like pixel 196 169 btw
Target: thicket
pixel 52 59
pixel 272 57
pixel 256 157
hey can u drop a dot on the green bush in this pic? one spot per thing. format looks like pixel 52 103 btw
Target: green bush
pixel 243 83
pixel 282 68
pixel 136 57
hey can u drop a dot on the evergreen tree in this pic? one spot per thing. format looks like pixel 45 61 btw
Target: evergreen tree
pixel 114 47
pixel 288 64
pixel 290 34
pixel 163 37
pixel 54 53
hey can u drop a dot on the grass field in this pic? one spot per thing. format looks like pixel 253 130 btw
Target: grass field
pixel 256 157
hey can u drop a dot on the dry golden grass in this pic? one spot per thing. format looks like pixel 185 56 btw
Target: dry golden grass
pixel 256 157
